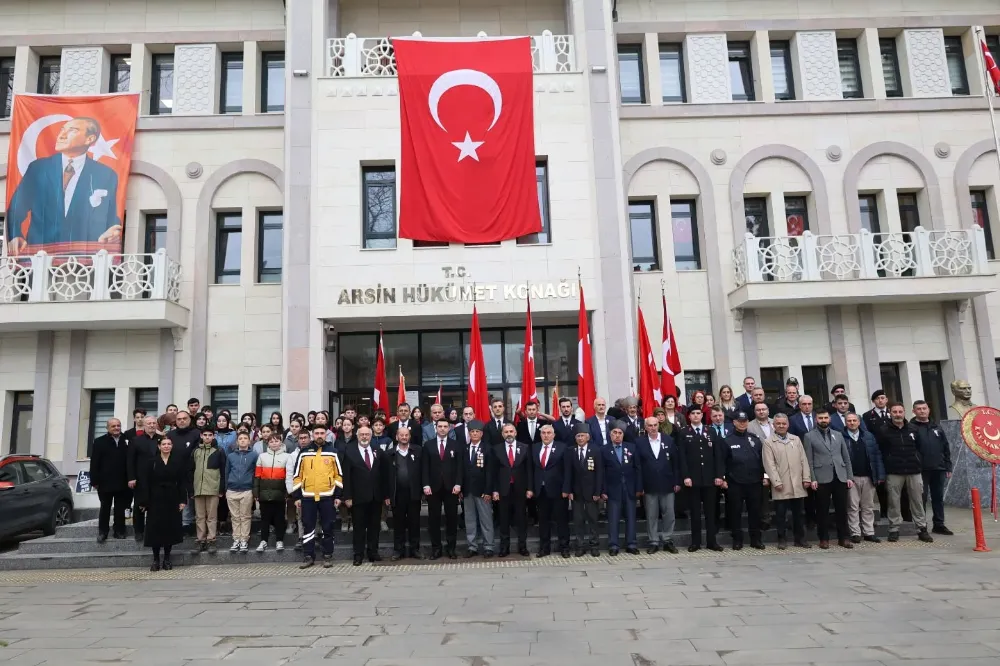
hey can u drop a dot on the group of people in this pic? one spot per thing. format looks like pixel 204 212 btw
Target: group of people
pixel 739 453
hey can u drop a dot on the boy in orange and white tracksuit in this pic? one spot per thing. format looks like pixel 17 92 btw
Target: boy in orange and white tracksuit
pixel 269 491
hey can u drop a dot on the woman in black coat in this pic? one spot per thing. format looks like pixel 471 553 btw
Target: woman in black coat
pixel 164 493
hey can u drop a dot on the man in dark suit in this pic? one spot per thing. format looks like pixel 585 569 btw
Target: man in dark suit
pixel 402 474
pixel 550 485
pixel 633 420
pixel 478 479
pixel 363 495
pixel 530 428
pixel 660 462
pixel 587 486
pixel 512 486
pixel 493 432
pixel 746 399
pixel 600 423
pixel 141 452
pixel 702 474
pixel 460 432
pixel 403 420
pixel 138 416
pixel 109 477
pixel 566 422
pixel 803 421
pixel 838 414
pixel 622 485
pixel 69 196
pixel 442 465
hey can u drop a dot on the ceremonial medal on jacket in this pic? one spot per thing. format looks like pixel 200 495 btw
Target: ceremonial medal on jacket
pixel 590 464
pixel 479 459
pixel 453 454
pixel 412 457
pixel 625 456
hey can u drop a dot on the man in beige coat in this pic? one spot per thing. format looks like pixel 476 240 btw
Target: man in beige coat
pixel 787 467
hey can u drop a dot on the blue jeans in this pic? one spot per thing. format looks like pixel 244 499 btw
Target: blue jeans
pixel 615 506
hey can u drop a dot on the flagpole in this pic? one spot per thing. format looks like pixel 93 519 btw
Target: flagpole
pixel 988 90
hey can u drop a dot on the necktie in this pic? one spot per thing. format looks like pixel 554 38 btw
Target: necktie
pixel 68 174
pixel 545 455
pixel 499 425
pixel 472 452
pixel 531 429
pixel 618 452
pixel 698 431
pixel 581 455
pixel 441 448
pixel 718 429
pixel 368 460
pixel 809 423
pixel 510 459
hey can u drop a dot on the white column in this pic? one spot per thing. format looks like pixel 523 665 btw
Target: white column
pixel 651 53
pixel 251 78
pixel 870 57
pixel 912 383
pixel 25 70
pixel 196 79
pixel 815 65
pixel 84 71
pixel 140 75
pixel 760 59
pixel 706 68
pixel 922 63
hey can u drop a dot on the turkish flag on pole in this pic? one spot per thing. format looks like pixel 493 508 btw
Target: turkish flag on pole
pixel 467 140
pixel 991 66
pixel 401 396
pixel 671 360
pixel 380 396
pixel 555 398
pixel 586 392
pixel 478 396
pixel 438 400
pixel 649 387
pixel 528 390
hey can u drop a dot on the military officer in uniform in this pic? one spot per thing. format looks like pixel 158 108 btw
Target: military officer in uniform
pixel 702 473
pixel 744 466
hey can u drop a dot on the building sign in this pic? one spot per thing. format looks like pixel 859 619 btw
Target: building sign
pixel 453 292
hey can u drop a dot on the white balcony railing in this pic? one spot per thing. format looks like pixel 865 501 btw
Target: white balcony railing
pixel 374 56
pixel 862 256
pixel 99 277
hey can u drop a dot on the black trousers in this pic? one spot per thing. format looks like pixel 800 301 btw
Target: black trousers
pixel 434 502
pixel 585 523
pixel 512 505
pixel 272 514
pixel 838 491
pixel 552 506
pixel 702 498
pixel 120 499
pixel 741 494
pixel 781 509
pixel 809 507
pixel 366 517
pixel 405 522
pixel 139 516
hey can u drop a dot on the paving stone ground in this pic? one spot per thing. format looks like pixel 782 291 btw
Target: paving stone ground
pixel 902 605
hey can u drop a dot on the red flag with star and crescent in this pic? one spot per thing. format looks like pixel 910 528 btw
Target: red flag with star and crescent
pixel 467 164
pixel 991 66
pixel 67 168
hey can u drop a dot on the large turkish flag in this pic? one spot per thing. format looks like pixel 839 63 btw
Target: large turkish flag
pixel 468 140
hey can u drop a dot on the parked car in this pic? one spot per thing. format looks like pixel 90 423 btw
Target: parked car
pixel 33 496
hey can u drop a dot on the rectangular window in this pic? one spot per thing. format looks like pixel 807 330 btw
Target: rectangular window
pixel 6 86
pixel 121 74
pixel 993 44
pixel 642 222
pixel 755 212
pixel 772 380
pixel 850 69
pixel 155 236
pixel 226 398
pixel 231 90
pixel 228 245
pixel 696 380
pixel 955 55
pixel 814 383
pixel 684 223
pixel 379 194
pixel 102 408
pixel 161 87
pixel 630 79
pixel 272 81
pixel 781 70
pixel 981 215
pixel 48 75
pixel 869 213
pixel 909 215
pixel 741 71
pixel 148 399
pixel 796 215
pixel 542 184
pixel 269 225
pixel 890 67
pixel 672 72
pixel 891 383
pixel 267 399
pixel 933 385
pixel 20 425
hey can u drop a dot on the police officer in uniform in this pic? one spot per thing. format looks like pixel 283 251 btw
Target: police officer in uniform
pixel 744 466
pixel 702 473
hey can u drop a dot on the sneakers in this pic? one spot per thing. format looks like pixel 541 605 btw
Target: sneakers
pixel 244 547
pixel 924 536
pixel 327 561
pixel 235 547
pixel 262 546
pixel 307 562
pixel 280 546
pixel 941 529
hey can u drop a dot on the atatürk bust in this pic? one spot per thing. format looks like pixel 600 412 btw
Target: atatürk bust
pixel 962 391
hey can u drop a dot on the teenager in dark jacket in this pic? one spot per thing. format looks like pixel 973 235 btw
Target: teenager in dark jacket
pixel 935 458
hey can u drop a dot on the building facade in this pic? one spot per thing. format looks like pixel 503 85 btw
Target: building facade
pixel 811 185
